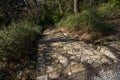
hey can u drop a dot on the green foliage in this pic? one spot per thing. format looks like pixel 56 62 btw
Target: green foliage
pixel 87 21
pixel 109 10
pixel 92 19
pixel 48 19
pixel 17 41
pixel 49 13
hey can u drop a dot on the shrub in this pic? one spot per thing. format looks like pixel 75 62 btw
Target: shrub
pixel 17 46
pixel 16 41
pixel 86 21
pixel 92 20
pixel 92 23
pixel 109 10
pixel 70 21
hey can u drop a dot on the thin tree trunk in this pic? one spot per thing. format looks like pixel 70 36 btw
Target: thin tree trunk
pixel 28 5
pixel 76 6
pixel 37 6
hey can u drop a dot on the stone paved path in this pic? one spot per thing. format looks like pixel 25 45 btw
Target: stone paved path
pixel 61 57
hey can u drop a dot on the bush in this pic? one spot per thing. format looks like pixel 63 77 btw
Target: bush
pixel 109 10
pixel 17 47
pixel 16 41
pixel 86 21
pixel 70 21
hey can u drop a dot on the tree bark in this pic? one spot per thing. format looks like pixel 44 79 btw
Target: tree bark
pixel 76 6
pixel 29 7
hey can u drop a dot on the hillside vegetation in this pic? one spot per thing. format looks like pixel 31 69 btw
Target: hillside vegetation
pixel 22 23
pixel 92 21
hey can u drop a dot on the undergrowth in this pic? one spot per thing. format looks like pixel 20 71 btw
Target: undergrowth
pixel 18 47
pixel 92 21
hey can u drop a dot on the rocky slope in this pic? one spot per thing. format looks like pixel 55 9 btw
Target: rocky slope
pixel 62 57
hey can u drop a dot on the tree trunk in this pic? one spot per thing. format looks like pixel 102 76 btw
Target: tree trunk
pixel 76 6
pixel 29 7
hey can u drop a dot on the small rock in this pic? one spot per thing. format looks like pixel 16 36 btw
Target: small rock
pixel 97 53
pixel 90 61
pixel 90 52
pixel 91 45
pixel 98 48
pixel 54 75
pixel 58 66
pixel 63 60
pixel 54 56
pixel 67 71
pixel 110 54
pixel 43 77
pixel 54 44
pixel 65 34
pixel 103 49
pixel 73 57
pixel 78 57
pixel 96 57
pixel 77 68
pixel 87 57
pixel 56 61
pixel 104 60
pixel 83 59
pixel 97 63
pixel 73 63
pixel 50 69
